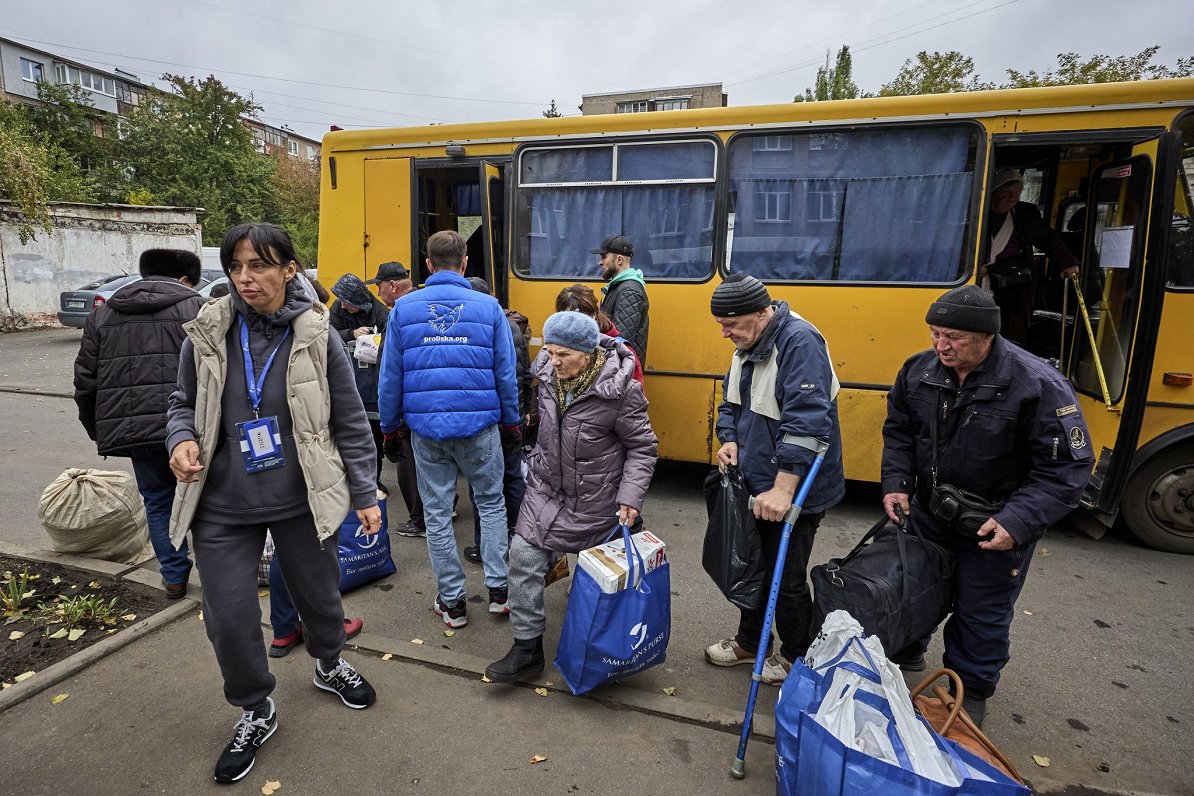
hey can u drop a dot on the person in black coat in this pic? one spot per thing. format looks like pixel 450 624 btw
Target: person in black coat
pixel 356 312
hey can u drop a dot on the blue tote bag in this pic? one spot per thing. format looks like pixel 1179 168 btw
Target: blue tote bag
pixel 364 558
pixel 607 637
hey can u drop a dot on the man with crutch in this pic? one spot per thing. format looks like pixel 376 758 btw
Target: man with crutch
pixel 779 408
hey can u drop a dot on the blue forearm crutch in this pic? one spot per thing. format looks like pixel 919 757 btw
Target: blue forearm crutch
pixel 738 767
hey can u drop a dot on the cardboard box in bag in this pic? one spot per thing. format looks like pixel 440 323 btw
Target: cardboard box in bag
pixel 607 562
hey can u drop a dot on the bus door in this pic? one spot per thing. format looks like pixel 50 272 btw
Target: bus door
pixel 388 214
pixel 493 227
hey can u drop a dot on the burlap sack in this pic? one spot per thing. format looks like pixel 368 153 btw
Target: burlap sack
pixel 98 514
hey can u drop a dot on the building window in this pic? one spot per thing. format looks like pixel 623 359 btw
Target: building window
pixel 31 70
pixel 292 148
pixel 312 152
pixel 773 143
pixel 773 205
pixel 671 104
pixel 259 140
pixel 88 80
pixel 275 137
pixel 639 106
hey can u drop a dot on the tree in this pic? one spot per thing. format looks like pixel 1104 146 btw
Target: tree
pixel 833 82
pixel 1071 69
pixel 188 146
pixel 67 115
pixel 296 186
pixel 552 112
pixel 935 73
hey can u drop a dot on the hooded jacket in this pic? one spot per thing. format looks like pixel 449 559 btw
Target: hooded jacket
pixel 326 442
pixel 599 454
pixel 345 322
pixel 627 306
pixel 128 364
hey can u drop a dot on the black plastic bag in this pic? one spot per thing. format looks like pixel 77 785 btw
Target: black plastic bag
pixel 733 554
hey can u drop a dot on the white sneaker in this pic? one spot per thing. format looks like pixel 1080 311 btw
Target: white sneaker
pixel 775 670
pixel 727 653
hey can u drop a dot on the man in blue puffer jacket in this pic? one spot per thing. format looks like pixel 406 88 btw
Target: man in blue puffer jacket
pixel 447 371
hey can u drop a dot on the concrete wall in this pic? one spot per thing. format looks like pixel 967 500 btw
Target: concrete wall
pixel 87 242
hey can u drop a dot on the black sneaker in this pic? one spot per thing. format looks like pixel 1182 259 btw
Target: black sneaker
pixel 253 729
pixel 473 554
pixel 909 661
pixel 347 683
pixel 497 601
pixel 410 529
pixel 455 615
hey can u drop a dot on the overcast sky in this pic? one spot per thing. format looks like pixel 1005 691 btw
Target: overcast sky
pixel 378 63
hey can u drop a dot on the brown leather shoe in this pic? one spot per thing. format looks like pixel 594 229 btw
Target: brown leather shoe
pixel 175 591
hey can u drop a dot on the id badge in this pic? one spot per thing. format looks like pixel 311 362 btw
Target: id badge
pixel 260 444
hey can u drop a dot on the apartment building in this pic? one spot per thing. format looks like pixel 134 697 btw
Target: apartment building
pixel 674 98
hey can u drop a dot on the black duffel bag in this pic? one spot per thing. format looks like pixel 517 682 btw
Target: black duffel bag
pixel 899 587
pixel 733 553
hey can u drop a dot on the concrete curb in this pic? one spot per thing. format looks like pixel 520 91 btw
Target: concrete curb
pixel 72 665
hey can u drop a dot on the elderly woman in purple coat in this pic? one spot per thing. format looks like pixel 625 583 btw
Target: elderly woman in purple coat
pixel 588 472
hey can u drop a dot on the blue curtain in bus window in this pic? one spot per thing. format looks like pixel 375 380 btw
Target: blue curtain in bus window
pixel 691 160
pixel 564 224
pixel 671 227
pixel 571 164
pixel 904 229
pixel 875 205
pixel 468 199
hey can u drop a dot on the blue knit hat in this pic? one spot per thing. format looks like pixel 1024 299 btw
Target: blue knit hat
pixel 571 329
pixel 352 292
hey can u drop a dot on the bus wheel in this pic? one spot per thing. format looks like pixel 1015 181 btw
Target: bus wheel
pixel 1158 504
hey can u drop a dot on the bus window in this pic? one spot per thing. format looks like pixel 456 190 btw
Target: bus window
pixel 1181 234
pixel 659 194
pixel 857 205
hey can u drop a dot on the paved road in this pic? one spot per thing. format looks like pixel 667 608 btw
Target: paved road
pixel 1099 681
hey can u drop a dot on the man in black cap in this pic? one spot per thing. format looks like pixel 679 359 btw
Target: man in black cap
pixel 124 374
pixel 1009 434
pixel 625 299
pixel 779 407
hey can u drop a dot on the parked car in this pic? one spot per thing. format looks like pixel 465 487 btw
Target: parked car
pixel 76 305
pixel 206 289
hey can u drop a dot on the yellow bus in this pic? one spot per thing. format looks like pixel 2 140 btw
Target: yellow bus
pixel 857 212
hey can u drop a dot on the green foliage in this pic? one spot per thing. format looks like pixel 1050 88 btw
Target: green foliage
pixel 189 147
pixel 16 591
pixel 935 73
pixel 1072 70
pixel 139 196
pixel 73 611
pixel 833 82
pixel 296 186
pixel 552 111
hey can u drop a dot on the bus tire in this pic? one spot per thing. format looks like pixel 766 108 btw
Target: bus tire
pixel 1158 504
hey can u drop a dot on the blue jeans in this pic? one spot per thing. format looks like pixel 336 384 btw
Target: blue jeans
pixel 439 462
pixel 156 483
pixel 514 488
pixel 283 616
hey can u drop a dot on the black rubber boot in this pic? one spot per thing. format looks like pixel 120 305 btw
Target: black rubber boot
pixel 524 659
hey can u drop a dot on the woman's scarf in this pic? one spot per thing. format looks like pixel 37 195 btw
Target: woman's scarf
pixel 568 389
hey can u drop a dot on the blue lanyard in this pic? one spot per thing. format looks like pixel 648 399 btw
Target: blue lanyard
pixel 252 381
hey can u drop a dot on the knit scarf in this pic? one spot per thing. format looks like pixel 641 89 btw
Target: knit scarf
pixel 568 389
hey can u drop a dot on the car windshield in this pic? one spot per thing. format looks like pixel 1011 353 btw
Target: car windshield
pixel 102 281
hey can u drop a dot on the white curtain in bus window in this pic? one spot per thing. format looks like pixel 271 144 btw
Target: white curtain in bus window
pixel 659 194
pixel 869 206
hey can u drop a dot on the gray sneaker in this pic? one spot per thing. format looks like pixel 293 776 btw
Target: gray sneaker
pixel 410 529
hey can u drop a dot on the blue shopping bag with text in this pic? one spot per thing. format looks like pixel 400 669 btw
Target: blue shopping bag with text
pixel 364 558
pixel 610 636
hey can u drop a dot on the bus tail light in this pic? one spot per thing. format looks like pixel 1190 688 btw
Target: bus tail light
pixel 1177 379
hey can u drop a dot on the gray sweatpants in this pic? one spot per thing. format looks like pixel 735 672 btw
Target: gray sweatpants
pixel 528 566
pixel 227 557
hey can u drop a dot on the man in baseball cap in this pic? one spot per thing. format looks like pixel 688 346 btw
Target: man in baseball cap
pixel 625 300
pixel 393 282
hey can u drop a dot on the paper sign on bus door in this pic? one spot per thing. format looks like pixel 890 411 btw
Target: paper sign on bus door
pixel 1117 247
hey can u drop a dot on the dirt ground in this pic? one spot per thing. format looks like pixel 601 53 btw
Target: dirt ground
pixel 39 615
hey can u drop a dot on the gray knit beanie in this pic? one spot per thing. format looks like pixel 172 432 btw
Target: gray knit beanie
pixel 739 294
pixel 352 292
pixel 968 308
pixel 571 329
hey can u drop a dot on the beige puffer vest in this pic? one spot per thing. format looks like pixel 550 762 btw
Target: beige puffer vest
pixel 310 406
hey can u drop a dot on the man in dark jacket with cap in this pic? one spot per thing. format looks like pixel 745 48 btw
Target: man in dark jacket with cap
pixel 779 407
pixel 125 371
pixel 625 299
pixel 1010 433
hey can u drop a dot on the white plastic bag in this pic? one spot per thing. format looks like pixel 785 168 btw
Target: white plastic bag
pixel 96 513
pixel 367 348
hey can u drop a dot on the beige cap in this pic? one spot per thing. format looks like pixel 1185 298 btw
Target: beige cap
pixel 1004 176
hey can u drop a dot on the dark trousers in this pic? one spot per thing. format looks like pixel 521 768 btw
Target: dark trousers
pixel 156 483
pixel 514 488
pixel 408 482
pixel 227 558
pixel 977 634
pixel 794 604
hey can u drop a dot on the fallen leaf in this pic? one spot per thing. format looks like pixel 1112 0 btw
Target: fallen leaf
pixel 386 657
pixel 75 634
pixel 59 633
pixel 417 641
pixel 111 631
pixel 541 691
pixel 22 677
pixel 263 593
pixel 28 594
pixel 14 635
pixel 270 786
pixel 59 698
pixel 1028 613
pixel 670 691
pixel 129 617
pixel 485 679
pixel 549 684
pixel 449 633
pixel 538 759
pixel 1043 762
pixel 56 580
pixel 200 614
pixel 95 584
pixel 1044 551
pixel 5 685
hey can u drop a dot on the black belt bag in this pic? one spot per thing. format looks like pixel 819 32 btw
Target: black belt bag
pixel 961 511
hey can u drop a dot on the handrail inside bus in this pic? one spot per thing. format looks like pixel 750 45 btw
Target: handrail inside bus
pixel 1094 347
